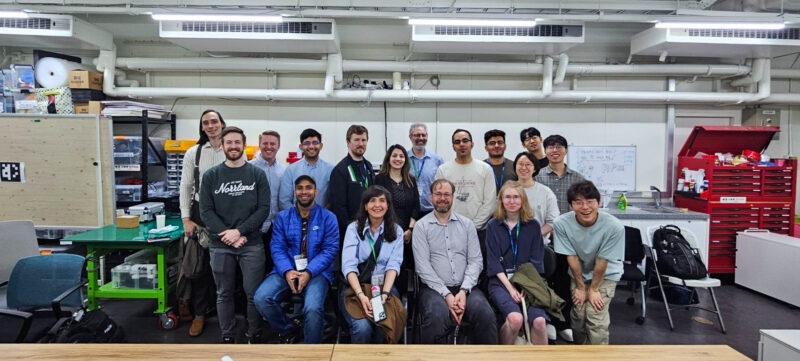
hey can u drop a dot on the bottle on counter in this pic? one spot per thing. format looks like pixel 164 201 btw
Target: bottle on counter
pixel 622 204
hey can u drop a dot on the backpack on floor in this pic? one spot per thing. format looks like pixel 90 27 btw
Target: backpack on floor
pixel 675 256
pixel 85 327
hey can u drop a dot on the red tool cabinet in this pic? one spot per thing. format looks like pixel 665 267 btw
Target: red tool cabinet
pixel 739 197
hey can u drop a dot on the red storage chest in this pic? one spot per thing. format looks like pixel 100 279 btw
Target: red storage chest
pixel 738 197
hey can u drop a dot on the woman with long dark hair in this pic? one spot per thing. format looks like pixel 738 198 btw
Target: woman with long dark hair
pixel 372 253
pixel 396 177
pixel 207 153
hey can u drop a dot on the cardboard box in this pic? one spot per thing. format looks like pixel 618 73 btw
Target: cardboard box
pixel 127 221
pixel 93 107
pixel 85 79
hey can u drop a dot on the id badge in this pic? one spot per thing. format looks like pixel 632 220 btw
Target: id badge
pixel 300 263
pixel 510 272
pixel 377 280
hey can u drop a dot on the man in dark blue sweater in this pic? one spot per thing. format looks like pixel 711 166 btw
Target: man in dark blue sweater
pixel 234 201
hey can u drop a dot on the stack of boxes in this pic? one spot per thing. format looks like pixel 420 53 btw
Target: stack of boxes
pixel 87 91
pixel 139 270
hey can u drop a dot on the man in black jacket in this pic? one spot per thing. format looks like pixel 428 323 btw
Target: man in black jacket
pixel 350 178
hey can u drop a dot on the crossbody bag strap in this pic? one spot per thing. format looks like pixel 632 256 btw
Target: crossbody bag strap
pixel 197 171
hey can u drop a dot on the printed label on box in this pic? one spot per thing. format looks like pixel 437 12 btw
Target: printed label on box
pixel 12 172
pixel 733 199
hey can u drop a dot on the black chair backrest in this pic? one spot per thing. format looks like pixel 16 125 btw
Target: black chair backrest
pixel 634 250
pixel 549 262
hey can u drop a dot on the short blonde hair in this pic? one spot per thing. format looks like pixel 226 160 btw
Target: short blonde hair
pixel 525 212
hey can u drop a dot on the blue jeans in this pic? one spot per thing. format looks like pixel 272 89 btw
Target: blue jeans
pixel 274 289
pixel 362 331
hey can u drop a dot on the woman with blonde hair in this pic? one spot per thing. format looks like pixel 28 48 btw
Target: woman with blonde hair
pixel 514 237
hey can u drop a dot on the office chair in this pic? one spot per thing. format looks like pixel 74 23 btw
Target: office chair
pixel 634 254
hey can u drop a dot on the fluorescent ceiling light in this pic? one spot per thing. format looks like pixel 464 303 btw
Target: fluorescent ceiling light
pixel 472 22
pixel 13 14
pixel 219 17
pixel 721 25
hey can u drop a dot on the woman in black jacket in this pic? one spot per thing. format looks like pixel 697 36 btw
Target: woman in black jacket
pixel 395 176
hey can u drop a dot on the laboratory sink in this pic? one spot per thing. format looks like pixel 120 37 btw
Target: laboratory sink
pixel 662 209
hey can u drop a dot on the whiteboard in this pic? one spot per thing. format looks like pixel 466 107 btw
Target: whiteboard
pixel 610 167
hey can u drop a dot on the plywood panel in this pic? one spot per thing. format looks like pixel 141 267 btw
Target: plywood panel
pixel 68 176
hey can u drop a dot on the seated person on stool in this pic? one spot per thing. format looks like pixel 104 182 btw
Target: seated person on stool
pixel 448 261
pixel 513 237
pixel 372 254
pixel 594 243
pixel 304 244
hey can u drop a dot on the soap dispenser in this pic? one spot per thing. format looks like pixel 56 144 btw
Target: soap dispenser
pixel 622 204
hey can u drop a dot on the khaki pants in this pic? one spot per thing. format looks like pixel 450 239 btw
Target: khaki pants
pixel 590 326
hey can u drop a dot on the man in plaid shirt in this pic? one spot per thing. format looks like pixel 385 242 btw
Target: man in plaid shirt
pixel 557 175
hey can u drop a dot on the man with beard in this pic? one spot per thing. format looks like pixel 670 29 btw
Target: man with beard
pixel 234 201
pixel 448 261
pixel 424 164
pixel 351 177
pixel 503 168
pixel 311 165
pixel 305 241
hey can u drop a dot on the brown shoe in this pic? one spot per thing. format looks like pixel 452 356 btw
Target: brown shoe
pixel 197 327
pixel 184 313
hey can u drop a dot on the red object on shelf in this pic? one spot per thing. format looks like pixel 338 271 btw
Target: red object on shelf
pixel 292 158
pixel 738 197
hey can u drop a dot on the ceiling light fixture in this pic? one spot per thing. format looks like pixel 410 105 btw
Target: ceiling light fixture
pixel 473 22
pixel 14 14
pixel 219 17
pixel 720 25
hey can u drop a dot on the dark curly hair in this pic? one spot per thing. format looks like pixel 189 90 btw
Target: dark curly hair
pixel 389 219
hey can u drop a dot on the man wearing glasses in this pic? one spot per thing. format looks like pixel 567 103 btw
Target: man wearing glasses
pixel 557 175
pixel 594 245
pixel 495 141
pixel 311 165
pixel 532 141
pixel 424 165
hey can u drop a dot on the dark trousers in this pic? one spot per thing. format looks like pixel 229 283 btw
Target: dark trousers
pixel 437 322
pixel 560 283
pixel 204 293
pixel 267 238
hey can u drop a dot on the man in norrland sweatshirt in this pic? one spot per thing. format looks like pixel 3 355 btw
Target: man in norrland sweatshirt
pixel 234 201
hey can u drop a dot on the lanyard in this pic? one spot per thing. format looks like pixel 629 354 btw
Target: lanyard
pixel 418 170
pixel 363 180
pixel 372 245
pixel 514 243
pixel 502 174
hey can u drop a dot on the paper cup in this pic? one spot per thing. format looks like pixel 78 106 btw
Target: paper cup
pixel 161 220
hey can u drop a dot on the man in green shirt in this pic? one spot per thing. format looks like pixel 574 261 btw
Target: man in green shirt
pixel 594 243
pixel 234 202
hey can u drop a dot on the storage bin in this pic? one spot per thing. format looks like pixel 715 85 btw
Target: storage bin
pixel 129 193
pixel 128 150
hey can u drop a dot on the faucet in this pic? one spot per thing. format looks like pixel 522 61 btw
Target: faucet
pixel 656 196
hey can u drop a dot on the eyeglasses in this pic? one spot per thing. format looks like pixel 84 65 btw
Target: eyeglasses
pixel 555 147
pixel 419 135
pixel 529 139
pixel 525 165
pixel 588 202
pixel 459 141
pixel 495 142
pixel 442 195
pixel 311 142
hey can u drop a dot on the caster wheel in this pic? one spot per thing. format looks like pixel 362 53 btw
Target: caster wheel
pixel 630 301
pixel 168 321
pixel 640 320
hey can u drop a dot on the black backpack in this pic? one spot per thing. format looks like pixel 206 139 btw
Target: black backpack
pixel 675 256
pixel 85 327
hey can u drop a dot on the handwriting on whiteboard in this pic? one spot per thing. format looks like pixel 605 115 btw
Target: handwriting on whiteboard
pixel 609 167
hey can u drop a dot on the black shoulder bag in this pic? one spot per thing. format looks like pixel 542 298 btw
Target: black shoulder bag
pixel 194 213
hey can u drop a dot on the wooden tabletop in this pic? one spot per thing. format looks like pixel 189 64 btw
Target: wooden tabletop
pixel 181 352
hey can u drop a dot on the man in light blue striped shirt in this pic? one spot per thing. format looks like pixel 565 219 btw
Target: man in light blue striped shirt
pixel 311 165
pixel 424 164
pixel 269 142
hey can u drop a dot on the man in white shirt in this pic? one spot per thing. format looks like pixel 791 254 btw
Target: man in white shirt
pixel 269 142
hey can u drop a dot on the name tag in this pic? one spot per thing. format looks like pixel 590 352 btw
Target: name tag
pixel 510 272
pixel 300 263
pixel 377 280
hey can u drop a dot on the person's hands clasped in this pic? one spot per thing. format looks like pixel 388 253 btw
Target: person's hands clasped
pixel 303 281
pixel 515 295
pixel 229 236
pixel 579 297
pixel 291 275
pixel 454 313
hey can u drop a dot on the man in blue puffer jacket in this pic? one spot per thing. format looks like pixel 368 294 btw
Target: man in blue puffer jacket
pixel 305 243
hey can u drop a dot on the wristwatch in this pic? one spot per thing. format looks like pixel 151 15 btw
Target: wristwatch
pixel 466 291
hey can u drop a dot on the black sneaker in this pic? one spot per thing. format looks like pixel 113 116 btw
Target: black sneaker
pixel 228 340
pixel 288 338
pixel 257 338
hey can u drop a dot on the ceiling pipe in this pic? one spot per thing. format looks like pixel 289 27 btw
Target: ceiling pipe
pixel 561 71
pixel 547 77
pixel 755 76
pixel 287 65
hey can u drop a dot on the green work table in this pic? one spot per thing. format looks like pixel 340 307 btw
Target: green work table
pixel 101 241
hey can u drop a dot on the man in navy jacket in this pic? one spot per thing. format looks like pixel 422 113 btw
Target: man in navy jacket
pixel 304 245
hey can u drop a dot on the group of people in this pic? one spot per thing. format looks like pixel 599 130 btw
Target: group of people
pixel 474 233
